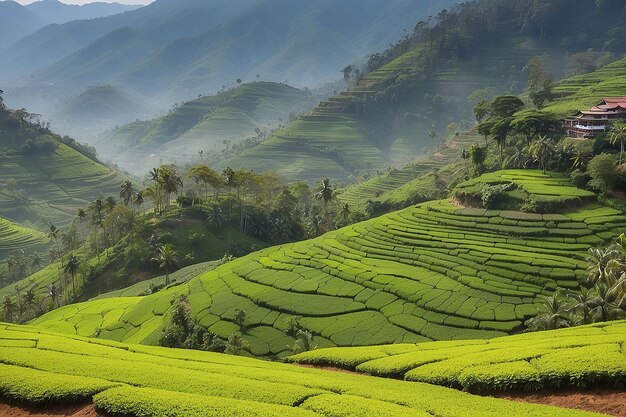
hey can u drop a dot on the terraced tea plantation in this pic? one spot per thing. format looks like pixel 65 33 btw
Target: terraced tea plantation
pixel 579 357
pixel 15 237
pixel 431 272
pixel 416 179
pixel 43 368
pixel 549 192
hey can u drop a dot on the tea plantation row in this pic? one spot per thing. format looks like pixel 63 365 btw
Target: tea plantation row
pixel 430 272
pixel 581 356
pixel 132 380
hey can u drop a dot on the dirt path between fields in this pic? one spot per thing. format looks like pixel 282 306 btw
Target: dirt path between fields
pixel 13 410
pixel 608 402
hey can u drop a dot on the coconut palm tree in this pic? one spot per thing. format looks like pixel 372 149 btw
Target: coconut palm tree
pixel 345 212
pixel 53 294
pixel 305 342
pixel 584 303
pixel 9 308
pixel 127 192
pixel 215 216
pixel 29 300
pixel 606 309
pixel 138 200
pixel 618 135
pixel 543 150
pixel 54 234
pixel 167 258
pixel 71 268
pixel 553 314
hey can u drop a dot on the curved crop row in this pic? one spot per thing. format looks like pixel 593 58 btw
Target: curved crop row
pixel 578 357
pixel 431 272
pixel 133 380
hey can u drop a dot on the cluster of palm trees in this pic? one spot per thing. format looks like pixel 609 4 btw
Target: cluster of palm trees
pixel 604 300
pixel 164 182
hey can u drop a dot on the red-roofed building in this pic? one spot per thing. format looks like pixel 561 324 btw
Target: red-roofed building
pixel 588 123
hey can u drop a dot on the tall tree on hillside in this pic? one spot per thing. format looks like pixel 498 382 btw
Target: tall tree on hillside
pixel 71 268
pixel 347 73
pixel 618 135
pixel 29 299
pixel 127 191
pixel 138 200
pixel 167 258
pixel 8 307
pixel 532 123
pixel 543 150
pixel 539 82
pixel 98 214
pixel 54 234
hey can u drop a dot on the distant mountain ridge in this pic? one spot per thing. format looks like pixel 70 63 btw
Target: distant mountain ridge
pixel 17 21
pixel 174 47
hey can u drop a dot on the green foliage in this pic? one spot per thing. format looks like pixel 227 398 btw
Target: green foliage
pixel 130 379
pixel 434 271
pixel 603 172
pixel 578 357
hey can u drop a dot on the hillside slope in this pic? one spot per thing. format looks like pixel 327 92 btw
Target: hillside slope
pixel 45 180
pixel 431 272
pixel 43 368
pixel 532 361
pixel 420 86
pixel 205 124
pixel 175 50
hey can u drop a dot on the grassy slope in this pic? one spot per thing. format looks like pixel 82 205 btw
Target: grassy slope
pixel 116 275
pixel 330 130
pixel 204 124
pixel 400 185
pixel 56 183
pixel 576 356
pixel 574 93
pixel 430 272
pixel 15 237
pixel 44 368
pixel 584 91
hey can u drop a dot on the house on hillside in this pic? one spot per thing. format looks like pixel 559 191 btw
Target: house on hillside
pixel 588 123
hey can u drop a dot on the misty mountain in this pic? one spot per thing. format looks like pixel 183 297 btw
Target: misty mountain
pixel 17 21
pixel 178 47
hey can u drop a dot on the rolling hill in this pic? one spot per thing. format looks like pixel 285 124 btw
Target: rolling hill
pixel 44 178
pixel 175 49
pixel 205 124
pixel 95 110
pixel 434 271
pixel 420 86
pixel 577 356
pixel 42 368
pixel 15 237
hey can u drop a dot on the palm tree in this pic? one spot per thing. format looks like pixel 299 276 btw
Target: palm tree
pixel 584 303
pixel 215 216
pixel 81 214
pixel 9 308
pixel 304 342
pixel 618 135
pixel 29 299
pixel 553 314
pixel 326 194
pixel 53 294
pixel 281 231
pixel 345 212
pixel 606 309
pixel 127 192
pixel 72 267
pixel 138 200
pixel 580 159
pixel 54 234
pixel 543 150
pixel 167 257
pixel 98 215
